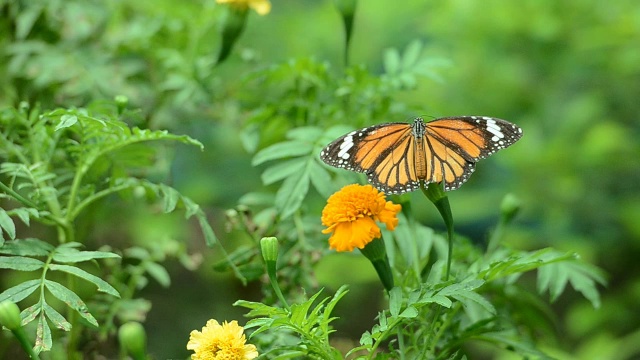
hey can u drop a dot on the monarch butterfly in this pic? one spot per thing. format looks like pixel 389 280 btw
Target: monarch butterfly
pixel 396 157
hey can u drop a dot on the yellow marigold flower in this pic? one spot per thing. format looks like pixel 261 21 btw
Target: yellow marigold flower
pixel 262 7
pixel 220 342
pixel 351 215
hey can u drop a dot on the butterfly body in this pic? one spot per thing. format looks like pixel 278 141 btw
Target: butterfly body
pixel 397 157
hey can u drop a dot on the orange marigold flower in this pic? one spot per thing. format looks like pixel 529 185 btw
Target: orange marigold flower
pixel 351 215
pixel 220 342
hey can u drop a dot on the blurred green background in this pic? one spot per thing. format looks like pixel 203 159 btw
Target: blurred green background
pixel 567 72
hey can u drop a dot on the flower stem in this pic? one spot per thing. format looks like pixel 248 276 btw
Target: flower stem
pixel 19 333
pixel 435 193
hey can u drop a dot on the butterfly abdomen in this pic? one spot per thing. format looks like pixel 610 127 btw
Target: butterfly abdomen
pixel 417 130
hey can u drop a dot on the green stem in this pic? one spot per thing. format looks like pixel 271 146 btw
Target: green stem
pixel 17 196
pixel 24 342
pixel 435 193
pixel 100 194
pixel 383 336
pixel 276 288
pixel 400 342
pixel 273 279
pixel 445 324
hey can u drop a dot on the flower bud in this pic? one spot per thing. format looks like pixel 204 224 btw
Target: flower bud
pixel 269 247
pixel 9 315
pixel 133 339
pixel 121 102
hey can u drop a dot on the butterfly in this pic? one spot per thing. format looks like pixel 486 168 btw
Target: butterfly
pixel 397 157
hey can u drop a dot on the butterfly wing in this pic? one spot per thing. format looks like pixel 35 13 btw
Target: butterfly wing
pixel 453 146
pixel 385 152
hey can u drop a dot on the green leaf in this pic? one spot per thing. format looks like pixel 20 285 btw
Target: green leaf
pixel 25 214
pixel 19 292
pixel 583 278
pixel 517 343
pixel 27 247
pixel 395 301
pixel 259 309
pixel 282 150
pixel 209 236
pixel 70 255
pixel 102 285
pixel 282 170
pixel 438 299
pixel 20 263
pixel 340 293
pixel 71 299
pixel 320 178
pixel 6 223
pixel 291 194
pixel 469 297
pixel 43 335
pixel 26 19
pixel 66 121
pixel 366 339
pixel 170 197
pixel 305 133
pixel 299 311
pixel 56 318
pixel 456 288
pixel 391 61
pixel 409 312
pixel 520 262
pixel 158 272
pixel 29 314
pixel 411 54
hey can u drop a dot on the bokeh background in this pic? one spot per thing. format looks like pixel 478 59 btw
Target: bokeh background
pixel 567 72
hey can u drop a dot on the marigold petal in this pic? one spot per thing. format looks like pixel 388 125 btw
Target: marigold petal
pixel 388 215
pixel 354 234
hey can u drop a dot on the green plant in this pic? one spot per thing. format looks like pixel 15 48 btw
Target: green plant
pixel 55 166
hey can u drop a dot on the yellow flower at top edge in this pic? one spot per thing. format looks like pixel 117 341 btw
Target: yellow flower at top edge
pixel 220 342
pixel 351 215
pixel 262 7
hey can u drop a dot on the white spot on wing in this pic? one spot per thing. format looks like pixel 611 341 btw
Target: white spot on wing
pixel 493 128
pixel 346 145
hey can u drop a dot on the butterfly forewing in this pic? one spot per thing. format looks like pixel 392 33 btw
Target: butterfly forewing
pixel 397 156
pixel 474 137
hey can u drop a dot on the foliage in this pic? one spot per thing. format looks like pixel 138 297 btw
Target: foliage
pixel 56 165
pixel 286 89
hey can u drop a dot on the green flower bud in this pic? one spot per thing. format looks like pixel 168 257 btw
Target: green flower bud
pixel 122 101
pixel 269 247
pixel 133 339
pixel 10 315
